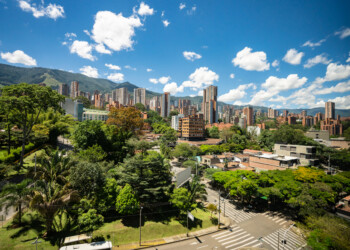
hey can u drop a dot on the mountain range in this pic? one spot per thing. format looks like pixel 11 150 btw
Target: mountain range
pixel 53 77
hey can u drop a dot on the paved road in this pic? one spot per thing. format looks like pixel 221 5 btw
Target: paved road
pixel 247 229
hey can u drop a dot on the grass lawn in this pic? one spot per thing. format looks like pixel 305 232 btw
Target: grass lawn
pixel 116 231
pixel 120 234
pixel 22 238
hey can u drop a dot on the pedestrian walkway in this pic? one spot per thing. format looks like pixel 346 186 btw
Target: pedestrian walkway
pixel 237 215
pixel 292 240
pixel 278 218
pixel 236 238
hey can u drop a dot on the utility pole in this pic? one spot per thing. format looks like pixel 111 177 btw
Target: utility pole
pixel 140 224
pixel 187 223
pixel 219 209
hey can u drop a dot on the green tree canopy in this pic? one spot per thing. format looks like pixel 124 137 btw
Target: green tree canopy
pixel 126 202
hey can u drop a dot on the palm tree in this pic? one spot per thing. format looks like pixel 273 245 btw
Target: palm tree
pixel 51 198
pixel 16 195
pixel 53 191
pixel 197 190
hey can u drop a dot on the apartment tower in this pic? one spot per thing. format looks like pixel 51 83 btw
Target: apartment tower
pixel 140 96
pixel 330 110
pixel 209 105
pixel 165 105
pixel 63 89
pixel 74 89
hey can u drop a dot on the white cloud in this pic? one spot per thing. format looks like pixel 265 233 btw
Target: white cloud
pixel 343 33
pixel 89 71
pixel 18 56
pixel 275 63
pixel 145 10
pixel 153 80
pixel 200 92
pixel 311 44
pixel 335 72
pixel 202 77
pixel 82 49
pixel 166 23
pixel 102 49
pixel 115 31
pixel 149 70
pixel 164 79
pixel 129 67
pixel 342 102
pixel 316 60
pixel 247 60
pixel 70 35
pixel 339 88
pixel 236 94
pixel 232 76
pixel 113 67
pixel 116 77
pixel 52 11
pixel 192 10
pixel 172 88
pixel 87 32
pixel 261 96
pixel 293 57
pixel 163 13
pixel 182 6
pixel 348 60
pixel 191 56
pixel 275 84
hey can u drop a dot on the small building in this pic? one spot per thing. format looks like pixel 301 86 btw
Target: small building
pixel 95 114
pixel 306 154
pixel 73 108
pixel 264 162
pixel 343 207
pixel 255 130
pixel 318 134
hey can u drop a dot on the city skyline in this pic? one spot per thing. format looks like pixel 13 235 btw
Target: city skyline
pixel 301 61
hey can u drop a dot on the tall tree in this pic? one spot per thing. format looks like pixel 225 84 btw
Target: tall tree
pixel 89 133
pixel 126 202
pixel 126 118
pixel 27 103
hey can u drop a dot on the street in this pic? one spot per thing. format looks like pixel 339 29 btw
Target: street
pixel 267 230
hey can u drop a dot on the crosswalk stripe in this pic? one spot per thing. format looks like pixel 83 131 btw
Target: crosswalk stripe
pixel 224 235
pixel 228 242
pixel 233 236
pixel 219 234
pixel 256 245
pixel 240 242
pixel 247 244
pixel 282 223
pixel 279 220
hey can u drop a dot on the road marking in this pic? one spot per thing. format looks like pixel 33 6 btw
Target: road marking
pixel 228 242
pixel 202 246
pixel 279 220
pixel 222 236
pixel 283 222
pixel 247 244
pixel 219 234
pixel 194 243
pixel 240 242
pixel 232 237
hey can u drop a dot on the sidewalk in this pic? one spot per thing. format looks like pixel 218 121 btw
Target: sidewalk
pixel 225 223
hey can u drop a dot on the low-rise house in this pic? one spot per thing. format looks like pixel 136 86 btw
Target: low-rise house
pixel 264 162
pixel 306 154
pixel 343 207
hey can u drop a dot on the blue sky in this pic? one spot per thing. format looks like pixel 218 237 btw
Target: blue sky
pixel 290 54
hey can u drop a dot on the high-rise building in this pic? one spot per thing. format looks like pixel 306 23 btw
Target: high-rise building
pixel 248 112
pixel 303 113
pixel 209 105
pixel 99 101
pixel 121 95
pixel 285 113
pixel 140 96
pixel 74 89
pixel 175 121
pixel 330 110
pixel 165 105
pixel 63 89
pixel 271 113
pixel 154 103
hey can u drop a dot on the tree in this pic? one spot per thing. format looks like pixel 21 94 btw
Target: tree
pixel 126 202
pixel 181 198
pixel 173 113
pixel 212 208
pixel 93 154
pixel 16 195
pixel 214 132
pixel 197 190
pixel 27 102
pixel 185 150
pixel 89 133
pixel 141 145
pixel 140 106
pixel 90 220
pixel 226 134
pixel 87 178
pixel 126 118
pixel 86 102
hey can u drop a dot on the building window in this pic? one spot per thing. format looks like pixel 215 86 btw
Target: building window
pixel 293 148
